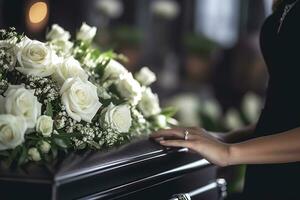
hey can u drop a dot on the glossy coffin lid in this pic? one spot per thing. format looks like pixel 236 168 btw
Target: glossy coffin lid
pixel 129 168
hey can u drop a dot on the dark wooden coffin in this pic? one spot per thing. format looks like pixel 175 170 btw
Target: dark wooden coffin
pixel 139 170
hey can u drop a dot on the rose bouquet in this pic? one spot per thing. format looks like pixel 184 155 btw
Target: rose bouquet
pixel 61 95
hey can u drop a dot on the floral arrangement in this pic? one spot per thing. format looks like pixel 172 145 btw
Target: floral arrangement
pixel 207 112
pixel 61 95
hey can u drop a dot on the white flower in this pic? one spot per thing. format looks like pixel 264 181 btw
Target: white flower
pixel 111 8
pixel 136 114
pixel 145 76
pixel 149 104
pixel 44 125
pixel 35 58
pixel 45 147
pixel 251 106
pixel 62 46
pixel 57 33
pixel 212 109
pixel 103 93
pixel 34 154
pixel 80 98
pixel 129 88
pixel 113 70
pixel 233 119
pixel 168 9
pixel 161 121
pixel 69 68
pixel 9 48
pixel 12 130
pixel 86 32
pixel 22 102
pixel 117 117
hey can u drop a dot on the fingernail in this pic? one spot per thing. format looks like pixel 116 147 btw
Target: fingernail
pixel 162 141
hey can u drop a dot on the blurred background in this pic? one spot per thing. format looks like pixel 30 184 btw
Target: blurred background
pixel 205 52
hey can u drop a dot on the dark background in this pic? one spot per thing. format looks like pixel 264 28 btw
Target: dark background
pixel 203 51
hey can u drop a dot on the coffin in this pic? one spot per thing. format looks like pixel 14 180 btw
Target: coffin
pixel 139 170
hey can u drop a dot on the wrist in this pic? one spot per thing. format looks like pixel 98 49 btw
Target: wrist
pixel 232 154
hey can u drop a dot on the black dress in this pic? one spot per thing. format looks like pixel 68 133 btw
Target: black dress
pixel 281 112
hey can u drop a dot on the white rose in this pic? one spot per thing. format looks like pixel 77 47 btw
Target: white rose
pixel 45 147
pixel 80 98
pixel 35 58
pixel 12 130
pixel 57 33
pixel 62 46
pixel 34 154
pixel 113 70
pixel 86 32
pixel 149 104
pixel 69 68
pixel 117 117
pixel 145 76
pixel 129 88
pixel 44 125
pixel 22 102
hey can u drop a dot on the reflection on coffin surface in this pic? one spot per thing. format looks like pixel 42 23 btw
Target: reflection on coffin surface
pixel 140 170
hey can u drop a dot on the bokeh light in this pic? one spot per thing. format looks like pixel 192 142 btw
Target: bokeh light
pixel 38 12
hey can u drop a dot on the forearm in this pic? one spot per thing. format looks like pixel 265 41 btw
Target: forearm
pixel 279 148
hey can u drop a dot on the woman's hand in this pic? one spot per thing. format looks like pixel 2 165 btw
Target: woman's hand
pixel 198 140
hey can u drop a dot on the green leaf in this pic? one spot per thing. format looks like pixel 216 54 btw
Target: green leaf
pixel 23 156
pixel 169 111
pixel 32 137
pixel 13 155
pixel 49 110
pixel 113 89
pixel 109 54
pixel 99 69
pixel 82 146
pixel 94 144
pixel 60 143
pixel 54 151
pixel 95 54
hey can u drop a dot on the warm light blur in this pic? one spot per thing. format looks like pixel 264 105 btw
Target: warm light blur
pixel 38 12
pixel 37 15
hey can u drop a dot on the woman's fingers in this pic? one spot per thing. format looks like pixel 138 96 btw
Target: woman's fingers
pixel 168 133
pixel 176 133
pixel 177 143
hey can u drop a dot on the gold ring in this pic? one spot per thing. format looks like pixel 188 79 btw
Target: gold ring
pixel 186 135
